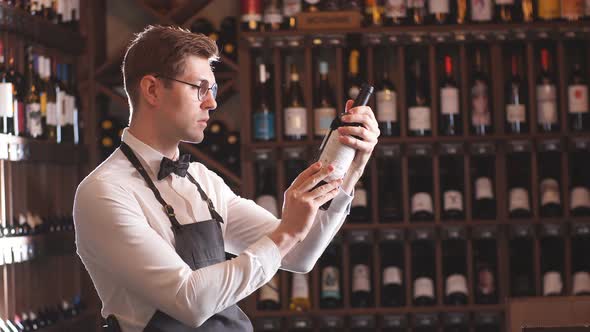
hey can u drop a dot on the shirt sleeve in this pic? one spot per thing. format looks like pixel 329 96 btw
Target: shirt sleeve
pixel 247 222
pixel 113 236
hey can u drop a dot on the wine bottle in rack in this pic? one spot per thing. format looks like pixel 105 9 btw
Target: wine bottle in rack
pixel 454 267
pixel 417 11
pixel 521 262
pixel 300 300
pixel 548 10
pixel 269 295
pixel 455 322
pixel 580 179
pixel 505 11
pixel 518 167
pixel 572 10
pixel 425 322
pixel 273 16
pixel 18 119
pixel 295 163
pixel 264 116
pixel 331 276
pixel 419 112
pixel 33 107
pixel 547 110
pixel 51 89
pixel 549 162
pixel 552 259
pixel 390 184
pixel 439 11
pixel 311 6
pixel 481 10
pixel 6 102
pixel 265 183
pixel 580 259
pixel 487 322
pixel 452 184
pixel 516 100
pixel 251 15
pixel 228 38
pixel 295 113
pixel 325 109
pixel 484 197
pixel 290 10
pixel 423 268
pixel 485 264
pixel 373 13
pixel 353 81
pixel 577 98
pixel 361 295
pixel 450 110
pixel 461 14
pixel 421 191
pixel 481 108
pixel 387 116
pixel 359 207
pixel 392 269
pixel 396 12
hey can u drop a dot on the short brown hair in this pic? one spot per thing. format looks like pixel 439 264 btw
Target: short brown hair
pixel 162 50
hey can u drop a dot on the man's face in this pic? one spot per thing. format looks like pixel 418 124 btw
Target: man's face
pixel 182 112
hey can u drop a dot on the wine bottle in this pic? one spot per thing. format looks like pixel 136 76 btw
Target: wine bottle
pixel 264 116
pixel 6 97
pixel 451 178
pixel 251 15
pixel 578 99
pixel 456 322
pixel 232 151
pixel 265 183
pixel 505 11
pixel 461 11
pixel 580 260
pixel 579 180
pixel 484 200
pixel 572 10
pixel 487 322
pixel 549 177
pixel 204 26
pixel 439 11
pixel 228 37
pixel 417 11
pixel 325 110
pixel 546 97
pixel 485 266
pixel 33 106
pixel 311 6
pixel 518 168
pixel 395 12
pixel 273 16
pixel 295 163
pixel 481 109
pixel 421 192
pixel 423 269
pixel 51 90
pixel 425 322
pixel 331 271
pixel 269 295
pixel 454 268
pixel 521 262
pixel 295 111
pixel 418 103
pixel 359 207
pixel 353 81
pixel 392 269
pixel 290 9
pixel 214 138
pixel 552 257
pixel 387 117
pixel 516 114
pixel 19 113
pixel 450 120
pixel 548 10
pixel 481 11
pixel 299 292
pixel 360 263
pixel 373 13
pixel 390 185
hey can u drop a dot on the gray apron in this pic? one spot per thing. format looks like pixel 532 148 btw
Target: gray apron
pixel 199 244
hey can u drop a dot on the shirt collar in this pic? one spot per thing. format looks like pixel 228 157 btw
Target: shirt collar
pixel 148 155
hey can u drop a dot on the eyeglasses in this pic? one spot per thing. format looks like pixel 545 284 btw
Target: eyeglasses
pixel 203 88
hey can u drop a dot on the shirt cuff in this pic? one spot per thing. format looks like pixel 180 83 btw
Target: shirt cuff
pixel 268 255
pixel 341 203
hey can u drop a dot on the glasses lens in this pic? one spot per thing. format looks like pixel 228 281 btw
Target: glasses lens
pixel 214 90
pixel 203 89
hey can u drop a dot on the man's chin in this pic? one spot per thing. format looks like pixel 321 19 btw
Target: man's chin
pixel 193 140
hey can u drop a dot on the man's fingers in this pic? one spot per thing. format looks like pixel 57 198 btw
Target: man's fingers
pixel 321 200
pixel 325 189
pixel 311 170
pixel 316 178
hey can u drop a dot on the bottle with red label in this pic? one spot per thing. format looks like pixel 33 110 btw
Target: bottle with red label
pixel 577 99
pixel 251 15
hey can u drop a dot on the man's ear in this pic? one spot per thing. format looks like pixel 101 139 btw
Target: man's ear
pixel 149 87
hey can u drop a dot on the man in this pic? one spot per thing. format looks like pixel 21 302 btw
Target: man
pixel 152 229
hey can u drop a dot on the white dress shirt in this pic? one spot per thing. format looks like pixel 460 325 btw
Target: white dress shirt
pixel 126 243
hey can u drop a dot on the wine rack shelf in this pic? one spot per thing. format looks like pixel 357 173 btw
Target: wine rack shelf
pixel 14 148
pixel 23 248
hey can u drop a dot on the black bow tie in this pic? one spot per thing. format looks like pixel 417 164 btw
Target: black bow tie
pixel 179 167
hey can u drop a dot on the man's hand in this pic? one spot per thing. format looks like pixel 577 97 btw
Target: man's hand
pixel 301 203
pixel 368 132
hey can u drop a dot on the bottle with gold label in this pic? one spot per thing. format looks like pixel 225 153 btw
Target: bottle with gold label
pixel 527 10
pixel 548 10
pixel 299 292
pixel 373 13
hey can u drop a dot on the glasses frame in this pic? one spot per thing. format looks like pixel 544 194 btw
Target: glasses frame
pixel 214 86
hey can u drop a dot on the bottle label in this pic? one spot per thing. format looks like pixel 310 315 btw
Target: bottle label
pixel 438 6
pixel 572 9
pixel 386 106
pixel 453 200
pixel 552 283
pixel 515 113
pixel 419 118
pixel 549 9
pixel 291 7
pixel 519 199
pixel 550 192
pixel 337 154
pixel 270 291
pixel 396 8
pixel 269 203
pixel 483 188
pixel 272 15
pixel 360 278
pixel 251 10
pixel 6 103
pixel 504 2
pixel 481 10
pixel 295 121
pixel 360 198
pixel 423 287
pixel 300 288
pixel 71 105
pixel 392 275
pixel 51 114
pixel 34 119
pixel 416 3
pixel 422 202
pixel 330 282
pixel 323 119
pixel 480 116
pixel 456 283
pixel 264 126
pixel 581 283
pixel 578 98
pixel 449 100
pixel 485 281
pixel 580 198
pixel 546 104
